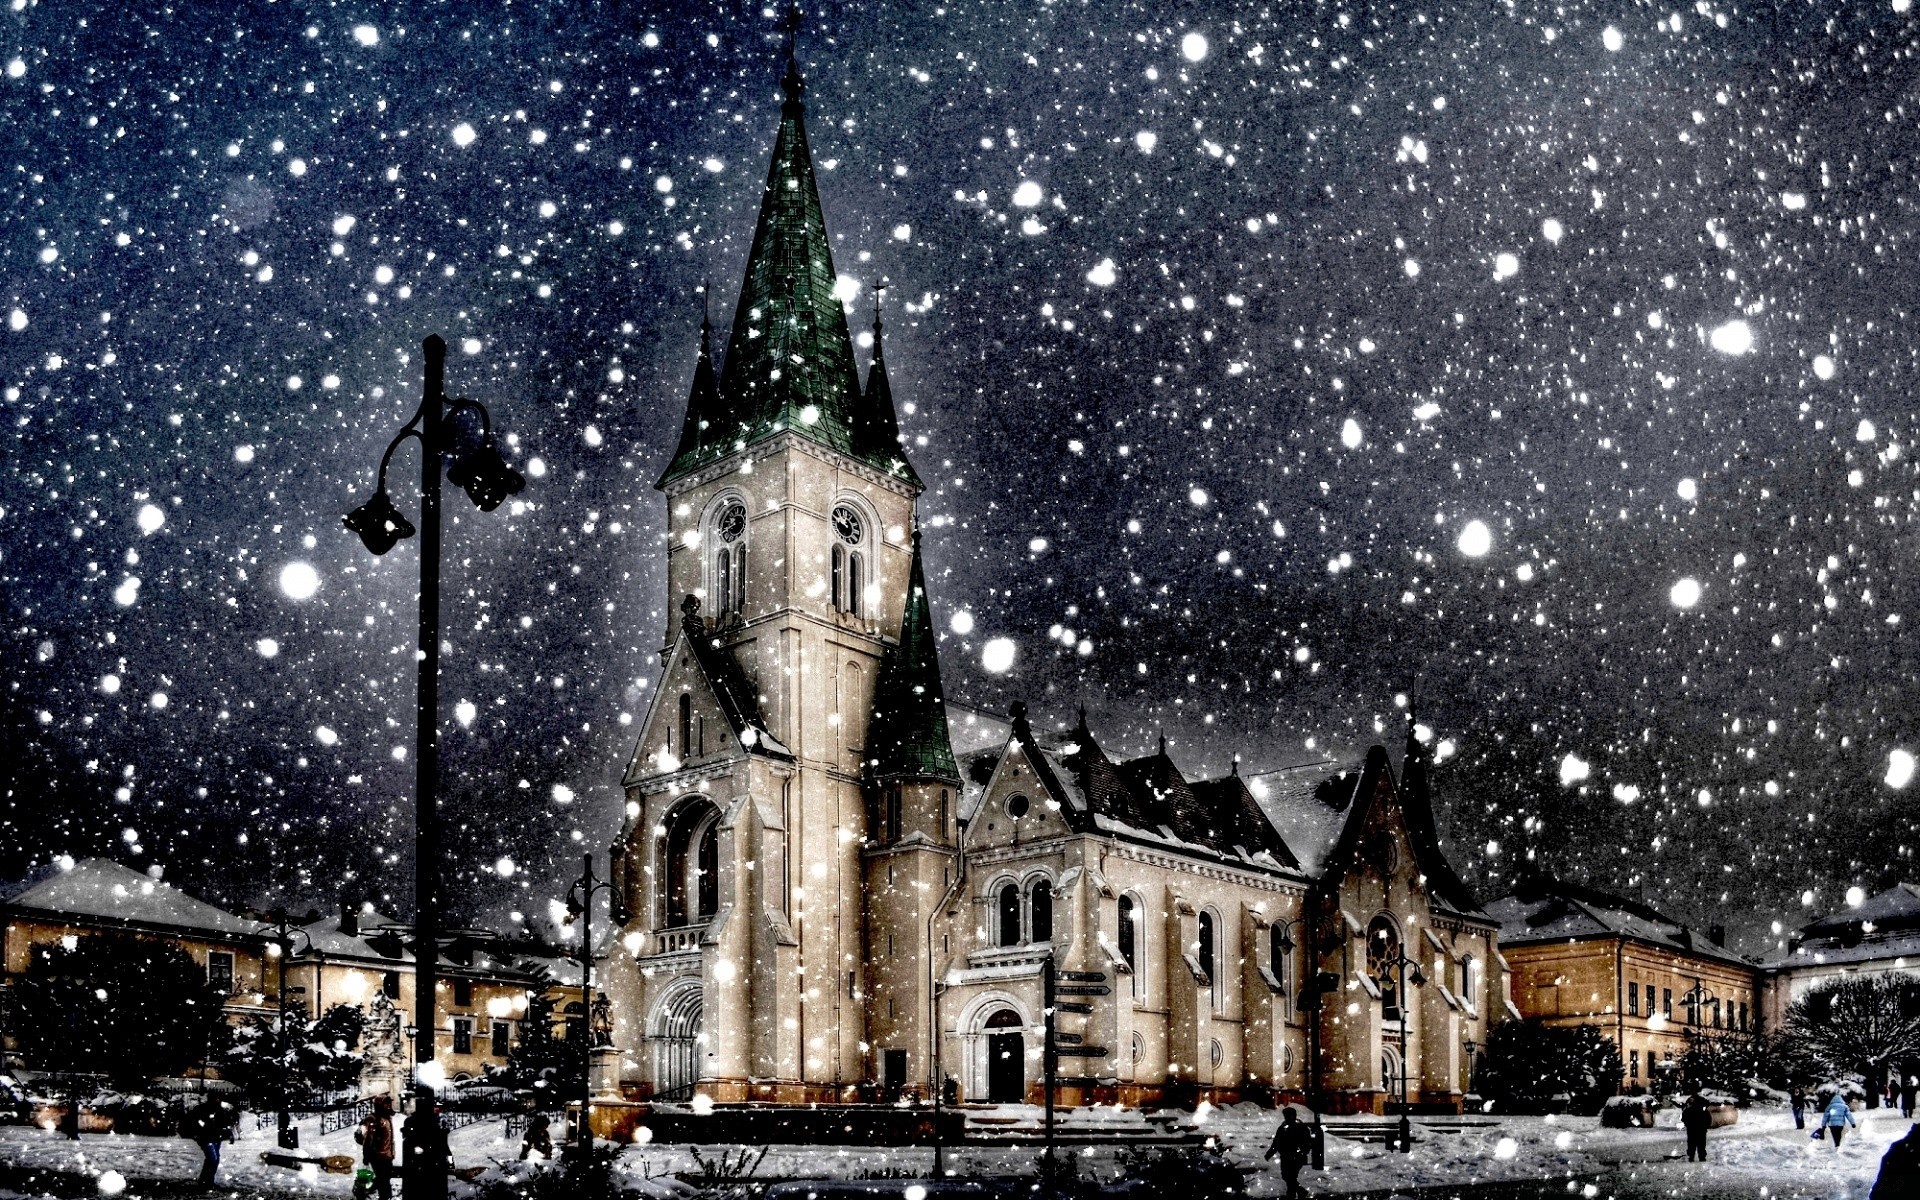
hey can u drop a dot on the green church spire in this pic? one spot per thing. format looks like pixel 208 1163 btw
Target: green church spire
pixel 789 359
pixel 700 429
pixel 876 430
pixel 908 736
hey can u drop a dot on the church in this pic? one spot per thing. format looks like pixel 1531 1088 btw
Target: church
pixel 838 887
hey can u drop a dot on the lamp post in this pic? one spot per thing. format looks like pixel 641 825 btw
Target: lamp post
pixel 1472 1048
pixel 286 931
pixel 580 906
pixel 1400 963
pixel 479 470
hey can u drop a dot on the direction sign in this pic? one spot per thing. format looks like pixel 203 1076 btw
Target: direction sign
pixel 1081 1051
pixel 1068 1039
pixel 1083 976
pixel 1072 1007
pixel 1082 989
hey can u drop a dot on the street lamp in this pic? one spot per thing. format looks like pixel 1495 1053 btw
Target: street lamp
pixel 479 470
pixel 286 931
pixel 580 905
pixel 1401 963
pixel 1472 1048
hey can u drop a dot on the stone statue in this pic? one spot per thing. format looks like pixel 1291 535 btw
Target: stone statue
pixel 600 1021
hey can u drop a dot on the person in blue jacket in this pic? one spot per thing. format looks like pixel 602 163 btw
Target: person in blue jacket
pixel 1837 1118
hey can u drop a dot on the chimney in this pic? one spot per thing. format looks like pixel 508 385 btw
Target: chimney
pixel 1717 934
pixel 349 917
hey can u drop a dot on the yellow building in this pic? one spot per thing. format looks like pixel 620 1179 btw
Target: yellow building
pixel 1582 957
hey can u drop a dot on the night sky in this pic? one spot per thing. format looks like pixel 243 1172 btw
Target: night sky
pixel 1267 365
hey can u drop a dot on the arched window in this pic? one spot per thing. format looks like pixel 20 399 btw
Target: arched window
pixel 1204 949
pixel 686 725
pixel 727 557
pixel 1040 903
pixel 1009 913
pixel 1383 955
pixel 1469 981
pixel 1278 947
pixel 1129 944
pixel 849 558
pixel 892 829
pixel 693 864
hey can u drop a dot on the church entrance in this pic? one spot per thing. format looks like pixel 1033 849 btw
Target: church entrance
pixel 1006 1059
pixel 676 1044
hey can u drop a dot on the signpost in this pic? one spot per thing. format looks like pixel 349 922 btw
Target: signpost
pixel 1083 1051
pixel 1081 989
pixel 1072 1007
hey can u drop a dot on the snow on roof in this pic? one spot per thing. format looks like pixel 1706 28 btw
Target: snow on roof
pixel 1548 912
pixel 1291 799
pixel 95 887
pixel 971 729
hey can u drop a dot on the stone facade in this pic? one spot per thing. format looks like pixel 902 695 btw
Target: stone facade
pixel 815 884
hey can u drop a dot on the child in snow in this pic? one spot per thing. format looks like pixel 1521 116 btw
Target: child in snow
pixel 1836 1119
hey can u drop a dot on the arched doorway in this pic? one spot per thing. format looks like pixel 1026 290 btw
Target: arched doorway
pixel 1006 1058
pixel 676 1043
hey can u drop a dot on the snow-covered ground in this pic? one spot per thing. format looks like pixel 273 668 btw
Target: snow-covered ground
pixel 1763 1155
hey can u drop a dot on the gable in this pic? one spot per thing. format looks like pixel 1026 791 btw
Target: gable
pixel 719 724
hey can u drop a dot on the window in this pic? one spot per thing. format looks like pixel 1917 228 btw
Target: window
pixel 1383 958
pixel 1017 806
pixel 1204 948
pixel 1469 981
pixel 1277 945
pixel 1040 903
pixel 1633 1064
pixel 502 1039
pixel 1633 1000
pixel 463 993
pixel 727 542
pixel 390 985
pixel 1128 942
pixel 849 558
pixel 220 971
pixel 693 864
pixel 893 814
pixel 463 1035
pixel 1743 1016
pixel 1666 1002
pixel 1009 914
pixel 686 725
pixel 945 799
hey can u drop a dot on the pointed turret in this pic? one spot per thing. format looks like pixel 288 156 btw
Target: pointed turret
pixel 789 363
pixel 877 430
pixel 908 736
pixel 701 427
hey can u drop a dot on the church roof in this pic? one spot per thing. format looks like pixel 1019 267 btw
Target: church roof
pixel 789 361
pixel 738 698
pixel 908 736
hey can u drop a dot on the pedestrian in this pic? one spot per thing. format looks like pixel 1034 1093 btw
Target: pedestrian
pixel 539 1139
pixel 375 1136
pixel 1836 1119
pixel 1293 1143
pixel 1695 1117
pixel 1798 1100
pixel 1909 1088
pixel 425 1137
pixel 1899 1170
pixel 206 1127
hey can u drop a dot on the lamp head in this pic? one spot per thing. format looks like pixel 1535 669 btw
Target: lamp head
pixel 485 477
pixel 379 525
pixel 1416 978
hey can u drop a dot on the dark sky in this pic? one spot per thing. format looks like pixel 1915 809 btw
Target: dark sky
pixel 1212 349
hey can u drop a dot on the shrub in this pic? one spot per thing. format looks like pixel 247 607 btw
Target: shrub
pixel 1527 1064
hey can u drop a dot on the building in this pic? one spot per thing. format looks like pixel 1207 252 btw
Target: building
pixel 95 896
pixel 1577 956
pixel 356 957
pixel 816 882
pixel 1878 936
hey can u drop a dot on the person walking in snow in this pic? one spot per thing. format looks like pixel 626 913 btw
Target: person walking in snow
pixel 1836 1119
pixel 375 1136
pixel 1909 1087
pixel 1899 1170
pixel 1695 1117
pixel 539 1139
pixel 1293 1143
pixel 206 1127
pixel 1797 1099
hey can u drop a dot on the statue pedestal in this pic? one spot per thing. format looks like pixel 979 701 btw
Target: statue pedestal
pixel 603 1071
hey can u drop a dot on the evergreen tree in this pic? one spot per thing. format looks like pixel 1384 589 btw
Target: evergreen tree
pixel 1528 1063
pixel 124 1007
pixel 547 1065
pixel 318 1056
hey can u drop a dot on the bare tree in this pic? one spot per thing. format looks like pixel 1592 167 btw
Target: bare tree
pixel 1860 1026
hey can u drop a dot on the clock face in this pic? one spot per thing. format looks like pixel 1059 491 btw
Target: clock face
pixel 733 523
pixel 848 525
